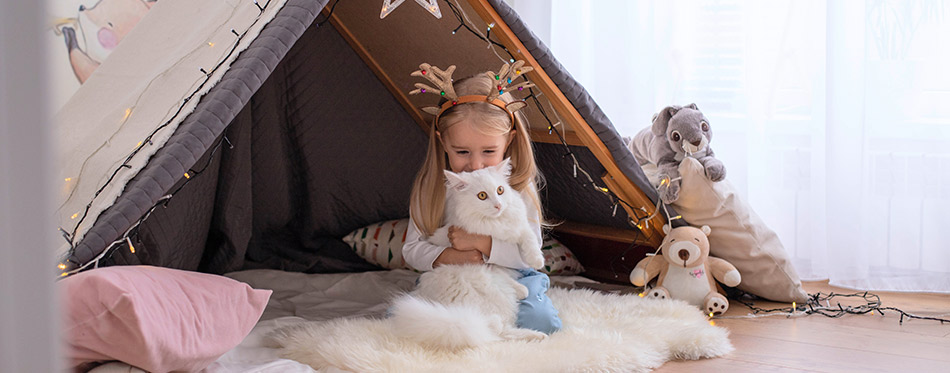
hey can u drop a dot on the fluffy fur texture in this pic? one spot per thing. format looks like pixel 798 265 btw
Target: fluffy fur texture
pixel 460 306
pixel 677 132
pixel 482 202
pixel 601 333
pixel 685 270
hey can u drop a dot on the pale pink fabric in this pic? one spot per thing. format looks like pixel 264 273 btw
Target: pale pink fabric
pixel 155 318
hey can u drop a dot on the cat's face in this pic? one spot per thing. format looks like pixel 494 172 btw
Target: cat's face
pixel 483 192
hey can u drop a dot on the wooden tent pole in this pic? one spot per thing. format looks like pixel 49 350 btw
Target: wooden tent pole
pixel 619 183
pixel 403 98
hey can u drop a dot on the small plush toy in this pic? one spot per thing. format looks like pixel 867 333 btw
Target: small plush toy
pixel 686 271
pixel 677 132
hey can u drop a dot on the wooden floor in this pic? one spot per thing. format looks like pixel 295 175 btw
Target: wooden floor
pixel 852 343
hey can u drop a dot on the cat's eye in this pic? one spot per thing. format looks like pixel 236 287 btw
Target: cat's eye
pixel 675 136
pixel 501 190
pixel 482 196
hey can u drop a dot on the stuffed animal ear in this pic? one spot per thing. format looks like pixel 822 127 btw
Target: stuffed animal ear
pixel 662 120
pixel 504 167
pixel 706 230
pixel 667 228
pixel 454 181
pixel 693 106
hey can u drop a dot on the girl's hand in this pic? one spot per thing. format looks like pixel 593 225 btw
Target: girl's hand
pixel 454 256
pixel 463 240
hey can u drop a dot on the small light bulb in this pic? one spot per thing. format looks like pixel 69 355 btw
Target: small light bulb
pixel 62 274
pixel 74 216
pixel 61 266
pixel 68 179
pixel 210 44
pixel 139 144
pixel 128 112
pixel 187 176
pixel 794 307
pixel 713 323
pixel 641 295
pixel 710 314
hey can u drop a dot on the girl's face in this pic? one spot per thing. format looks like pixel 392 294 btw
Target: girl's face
pixel 470 150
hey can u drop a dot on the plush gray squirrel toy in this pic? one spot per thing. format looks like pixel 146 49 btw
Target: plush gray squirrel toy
pixel 677 133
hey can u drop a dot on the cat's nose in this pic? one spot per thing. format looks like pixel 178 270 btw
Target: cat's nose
pixel 498 207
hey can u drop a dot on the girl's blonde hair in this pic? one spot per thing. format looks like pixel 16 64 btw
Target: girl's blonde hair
pixel 427 201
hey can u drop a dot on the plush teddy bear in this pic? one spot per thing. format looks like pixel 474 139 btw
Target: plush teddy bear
pixel 686 271
pixel 677 132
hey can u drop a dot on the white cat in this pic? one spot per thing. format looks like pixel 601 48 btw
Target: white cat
pixel 460 306
pixel 482 202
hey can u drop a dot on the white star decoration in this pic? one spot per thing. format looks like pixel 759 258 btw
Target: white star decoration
pixel 390 5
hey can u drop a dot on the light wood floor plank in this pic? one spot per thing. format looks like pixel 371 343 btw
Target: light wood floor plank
pixel 815 343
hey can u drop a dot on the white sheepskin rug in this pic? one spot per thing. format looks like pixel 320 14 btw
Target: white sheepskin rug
pixel 601 332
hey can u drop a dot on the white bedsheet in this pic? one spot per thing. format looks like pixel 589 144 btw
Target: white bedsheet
pixel 300 297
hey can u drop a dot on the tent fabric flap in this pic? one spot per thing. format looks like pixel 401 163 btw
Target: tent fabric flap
pixel 196 134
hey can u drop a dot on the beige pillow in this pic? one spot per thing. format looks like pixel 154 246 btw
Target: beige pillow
pixel 381 244
pixel 738 235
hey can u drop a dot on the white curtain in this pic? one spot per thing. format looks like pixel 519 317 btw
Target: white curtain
pixel 833 118
pixel 30 333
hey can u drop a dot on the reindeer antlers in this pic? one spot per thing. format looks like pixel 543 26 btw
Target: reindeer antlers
pixel 506 75
pixel 441 79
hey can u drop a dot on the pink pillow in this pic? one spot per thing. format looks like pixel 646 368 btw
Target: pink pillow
pixel 157 319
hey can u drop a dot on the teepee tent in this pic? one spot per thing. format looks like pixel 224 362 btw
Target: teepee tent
pixel 255 134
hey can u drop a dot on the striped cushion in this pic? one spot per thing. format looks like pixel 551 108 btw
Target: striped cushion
pixel 381 244
pixel 558 259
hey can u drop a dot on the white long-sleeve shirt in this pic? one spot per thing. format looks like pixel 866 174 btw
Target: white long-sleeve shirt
pixel 420 254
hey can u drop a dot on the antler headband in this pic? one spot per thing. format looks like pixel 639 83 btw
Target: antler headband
pixel 442 79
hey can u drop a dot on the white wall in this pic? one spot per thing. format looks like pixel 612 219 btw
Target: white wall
pixel 537 15
pixel 28 322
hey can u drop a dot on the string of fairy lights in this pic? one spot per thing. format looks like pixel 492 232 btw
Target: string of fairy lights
pixel 67 266
pixel 821 304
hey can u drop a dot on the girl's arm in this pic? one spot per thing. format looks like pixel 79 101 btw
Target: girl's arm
pixel 423 256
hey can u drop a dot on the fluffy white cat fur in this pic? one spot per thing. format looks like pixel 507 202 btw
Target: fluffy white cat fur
pixel 482 202
pixel 461 306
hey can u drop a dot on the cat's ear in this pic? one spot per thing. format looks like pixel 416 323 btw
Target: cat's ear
pixel 504 167
pixel 454 181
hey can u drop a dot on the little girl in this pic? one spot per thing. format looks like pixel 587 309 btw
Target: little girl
pixel 473 132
